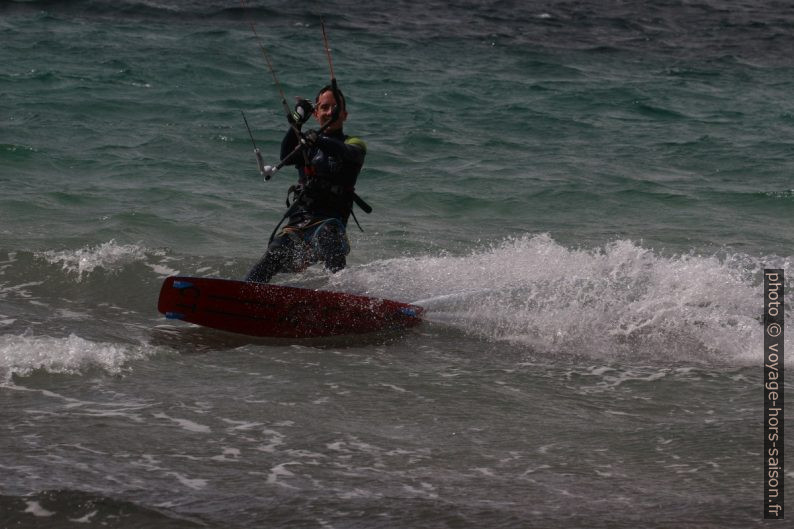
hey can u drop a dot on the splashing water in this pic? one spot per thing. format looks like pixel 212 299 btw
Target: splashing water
pixel 107 256
pixel 618 301
pixel 22 355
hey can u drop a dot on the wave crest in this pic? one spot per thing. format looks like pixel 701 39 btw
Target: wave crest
pixel 25 354
pixel 109 256
pixel 620 300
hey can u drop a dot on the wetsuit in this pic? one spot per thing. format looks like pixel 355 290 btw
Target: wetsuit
pixel 323 199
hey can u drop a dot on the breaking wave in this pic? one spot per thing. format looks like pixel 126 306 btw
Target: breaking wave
pixel 109 256
pixel 617 301
pixel 25 354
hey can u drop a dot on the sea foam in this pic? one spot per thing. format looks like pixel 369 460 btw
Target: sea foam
pixel 109 256
pixel 22 355
pixel 616 301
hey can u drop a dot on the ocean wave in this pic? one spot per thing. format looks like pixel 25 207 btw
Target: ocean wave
pixel 22 355
pixel 78 508
pixel 616 302
pixel 109 256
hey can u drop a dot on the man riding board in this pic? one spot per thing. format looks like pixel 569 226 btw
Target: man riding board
pixel 328 163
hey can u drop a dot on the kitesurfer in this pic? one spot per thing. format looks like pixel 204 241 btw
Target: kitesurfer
pixel 328 163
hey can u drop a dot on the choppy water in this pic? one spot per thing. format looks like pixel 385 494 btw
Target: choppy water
pixel 582 195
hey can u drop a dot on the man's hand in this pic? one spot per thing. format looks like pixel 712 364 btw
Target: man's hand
pixel 310 138
pixel 302 113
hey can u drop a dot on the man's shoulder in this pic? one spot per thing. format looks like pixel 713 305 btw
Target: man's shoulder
pixel 355 141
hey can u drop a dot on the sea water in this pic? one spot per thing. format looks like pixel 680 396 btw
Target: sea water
pixel 583 195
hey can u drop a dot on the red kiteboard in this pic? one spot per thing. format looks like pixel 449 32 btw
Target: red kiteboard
pixel 260 309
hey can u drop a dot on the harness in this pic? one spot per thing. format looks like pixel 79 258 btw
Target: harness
pixel 328 199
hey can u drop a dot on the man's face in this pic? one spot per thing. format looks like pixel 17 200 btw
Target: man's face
pixel 324 110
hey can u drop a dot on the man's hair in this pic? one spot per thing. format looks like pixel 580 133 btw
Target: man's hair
pixel 329 88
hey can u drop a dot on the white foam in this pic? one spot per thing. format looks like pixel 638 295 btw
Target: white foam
pixel 19 291
pixel 193 483
pixel 186 424
pixel 108 256
pixel 276 439
pixel 280 471
pixel 242 425
pixel 228 454
pixel 84 519
pixel 21 355
pixel 393 387
pixel 34 508
pixel 162 270
pixel 425 489
pixel 617 301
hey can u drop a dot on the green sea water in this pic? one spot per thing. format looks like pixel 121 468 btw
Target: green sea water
pixel 127 124
pixel 583 196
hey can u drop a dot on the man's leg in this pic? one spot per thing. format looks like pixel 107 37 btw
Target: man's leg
pixel 277 258
pixel 333 246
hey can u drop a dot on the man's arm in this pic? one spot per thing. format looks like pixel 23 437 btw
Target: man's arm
pixel 288 145
pixel 351 150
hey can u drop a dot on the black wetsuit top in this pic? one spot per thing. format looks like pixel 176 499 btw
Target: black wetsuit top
pixel 326 183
